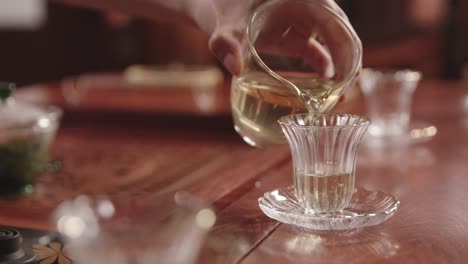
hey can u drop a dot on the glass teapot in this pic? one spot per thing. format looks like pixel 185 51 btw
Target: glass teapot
pixel 297 56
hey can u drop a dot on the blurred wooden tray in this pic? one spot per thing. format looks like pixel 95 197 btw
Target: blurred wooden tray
pixel 111 92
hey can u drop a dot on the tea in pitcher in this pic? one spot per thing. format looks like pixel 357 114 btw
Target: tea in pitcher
pixel 258 101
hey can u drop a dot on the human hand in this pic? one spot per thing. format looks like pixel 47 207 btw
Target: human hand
pixel 228 21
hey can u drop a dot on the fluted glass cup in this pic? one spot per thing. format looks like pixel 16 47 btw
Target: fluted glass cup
pixel 297 56
pixel 324 151
pixel 388 95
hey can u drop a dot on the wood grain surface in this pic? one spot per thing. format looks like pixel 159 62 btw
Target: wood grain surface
pixel 151 156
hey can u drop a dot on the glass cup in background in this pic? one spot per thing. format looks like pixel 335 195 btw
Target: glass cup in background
pixel 294 52
pixel 324 151
pixel 389 95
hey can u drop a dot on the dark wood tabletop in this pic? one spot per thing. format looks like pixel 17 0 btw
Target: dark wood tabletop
pixel 114 147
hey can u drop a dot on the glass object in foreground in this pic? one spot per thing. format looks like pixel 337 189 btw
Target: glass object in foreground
pixel 324 195
pixel 324 151
pixel 298 56
pixel 366 208
pixel 100 230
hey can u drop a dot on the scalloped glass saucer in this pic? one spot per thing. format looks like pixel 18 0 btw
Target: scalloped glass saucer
pixel 366 208
pixel 419 132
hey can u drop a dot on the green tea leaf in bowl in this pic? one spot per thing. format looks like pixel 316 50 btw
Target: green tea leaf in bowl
pixel 6 89
pixel 21 159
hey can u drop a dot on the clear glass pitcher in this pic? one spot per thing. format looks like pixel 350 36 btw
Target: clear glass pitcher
pixel 297 56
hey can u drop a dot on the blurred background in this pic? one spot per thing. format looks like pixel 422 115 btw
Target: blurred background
pixel 56 41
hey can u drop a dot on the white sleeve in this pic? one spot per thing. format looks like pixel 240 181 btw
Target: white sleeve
pixel 22 14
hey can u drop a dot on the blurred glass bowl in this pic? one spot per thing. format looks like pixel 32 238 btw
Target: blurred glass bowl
pixel 98 229
pixel 26 133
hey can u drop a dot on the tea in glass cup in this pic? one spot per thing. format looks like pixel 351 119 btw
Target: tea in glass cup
pixel 324 149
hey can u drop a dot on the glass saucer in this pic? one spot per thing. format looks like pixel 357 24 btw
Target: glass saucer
pixel 366 208
pixel 418 132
